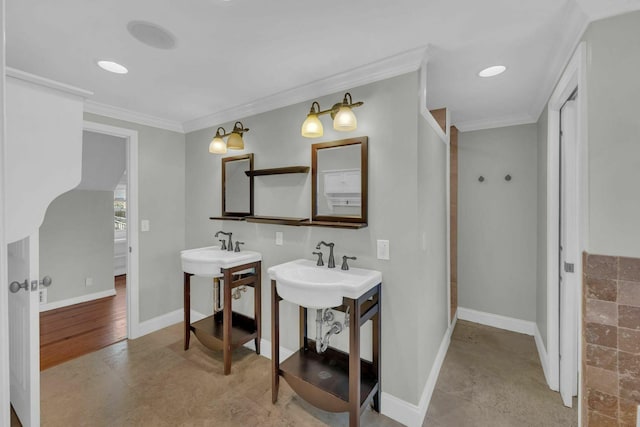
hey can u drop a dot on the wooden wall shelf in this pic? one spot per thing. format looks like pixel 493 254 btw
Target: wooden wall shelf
pixel 292 221
pixel 278 171
pixel 229 218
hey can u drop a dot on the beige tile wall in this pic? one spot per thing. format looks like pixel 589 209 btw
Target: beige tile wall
pixel 611 340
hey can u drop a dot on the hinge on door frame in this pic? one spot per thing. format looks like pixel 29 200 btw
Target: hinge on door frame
pixel 569 267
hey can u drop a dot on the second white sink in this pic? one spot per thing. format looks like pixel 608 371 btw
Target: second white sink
pixel 208 261
pixel 302 282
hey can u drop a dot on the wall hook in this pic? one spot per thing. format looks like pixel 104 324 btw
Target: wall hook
pixel 481 179
pixel 507 178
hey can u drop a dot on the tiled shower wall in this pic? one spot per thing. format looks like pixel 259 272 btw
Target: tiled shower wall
pixel 611 340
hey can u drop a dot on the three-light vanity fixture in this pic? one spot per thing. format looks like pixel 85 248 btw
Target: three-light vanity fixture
pixel 341 113
pixel 234 142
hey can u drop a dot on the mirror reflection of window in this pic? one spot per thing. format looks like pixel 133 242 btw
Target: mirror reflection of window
pixel 339 189
pixel 120 208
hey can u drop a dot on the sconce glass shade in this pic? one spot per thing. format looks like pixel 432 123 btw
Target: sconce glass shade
pixel 217 146
pixel 345 120
pixel 312 127
pixel 235 142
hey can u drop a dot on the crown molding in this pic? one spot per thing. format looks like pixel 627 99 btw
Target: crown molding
pixel 42 81
pixel 498 122
pixel 131 116
pixel 575 24
pixel 380 70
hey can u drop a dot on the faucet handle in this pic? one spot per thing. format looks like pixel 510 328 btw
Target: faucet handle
pixel 238 243
pixel 320 262
pixel 345 266
pixel 223 245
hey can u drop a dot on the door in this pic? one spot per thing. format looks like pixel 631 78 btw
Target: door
pixel 24 329
pixel 569 255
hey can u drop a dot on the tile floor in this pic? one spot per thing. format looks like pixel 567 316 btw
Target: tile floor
pixel 490 378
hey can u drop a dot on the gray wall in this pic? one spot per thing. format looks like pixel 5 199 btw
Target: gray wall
pixel 76 242
pixel 614 135
pixel 497 222
pixel 389 118
pixel 162 201
pixel 432 254
pixel 103 161
pixel 541 282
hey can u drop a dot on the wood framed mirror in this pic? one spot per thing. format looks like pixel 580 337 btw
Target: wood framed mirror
pixel 237 187
pixel 339 171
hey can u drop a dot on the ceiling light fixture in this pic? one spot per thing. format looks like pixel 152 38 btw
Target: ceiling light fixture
pixel 234 142
pixel 151 34
pixel 492 71
pixel 343 118
pixel 112 67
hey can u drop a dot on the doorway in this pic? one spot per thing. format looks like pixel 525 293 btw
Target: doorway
pixel 566 226
pixel 82 228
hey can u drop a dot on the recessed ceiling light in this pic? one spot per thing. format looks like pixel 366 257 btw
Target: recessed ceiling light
pixel 113 67
pixel 151 34
pixel 492 71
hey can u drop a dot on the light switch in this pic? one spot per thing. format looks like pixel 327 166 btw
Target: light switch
pixel 279 238
pixel 383 249
pixel 144 225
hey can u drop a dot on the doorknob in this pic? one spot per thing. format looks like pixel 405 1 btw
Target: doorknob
pixel 16 286
pixel 46 281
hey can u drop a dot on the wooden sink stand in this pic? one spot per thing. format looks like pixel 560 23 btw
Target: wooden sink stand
pixel 226 330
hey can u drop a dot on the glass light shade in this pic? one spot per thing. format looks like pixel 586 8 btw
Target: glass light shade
pixel 312 127
pixel 217 146
pixel 345 120
pixel 235 142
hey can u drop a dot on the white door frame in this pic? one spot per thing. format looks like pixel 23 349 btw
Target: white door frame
pixel 5 412
pixel 131 136
pixel 573 76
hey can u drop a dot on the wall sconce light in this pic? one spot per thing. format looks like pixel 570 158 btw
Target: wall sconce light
pixel 234 142
pixel 343 118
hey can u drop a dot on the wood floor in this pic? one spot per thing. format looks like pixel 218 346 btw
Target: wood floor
pixel 73 331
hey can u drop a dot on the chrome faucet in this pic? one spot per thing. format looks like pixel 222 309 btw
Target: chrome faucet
pixel 345 266
pixel 332 261
pixel 230 243
pixel 320 262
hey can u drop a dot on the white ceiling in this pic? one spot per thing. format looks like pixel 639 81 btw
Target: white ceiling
pixel 232 53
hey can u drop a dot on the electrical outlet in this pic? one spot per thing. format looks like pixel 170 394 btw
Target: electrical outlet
pixel 88 281
pixel 383 249
pixel 43 295
pixel 144 225
pixel 279 238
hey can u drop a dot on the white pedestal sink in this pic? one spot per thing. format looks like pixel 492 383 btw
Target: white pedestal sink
pixel 208 261
pixel 303 283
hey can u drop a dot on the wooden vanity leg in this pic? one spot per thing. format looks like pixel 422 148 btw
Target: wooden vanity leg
pixel 377 324
pixel 187 310
pixel 226 323
pixel 257 304
pixel 275 342
pixel 354 363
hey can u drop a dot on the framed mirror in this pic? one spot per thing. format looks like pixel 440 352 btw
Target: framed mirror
pixel 339 180
pixel 237 186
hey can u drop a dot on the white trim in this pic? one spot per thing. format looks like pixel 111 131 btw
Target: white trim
pixel 42 81
pixel 423 105
pixel 542 353
pixel 497 321
pixel 160 322
pixel 573 76
pixel 77 300
pixel 413 415
pixel 101 109
pixel 498 122
pixel 5 413
pixel 133 266
pixel 380 70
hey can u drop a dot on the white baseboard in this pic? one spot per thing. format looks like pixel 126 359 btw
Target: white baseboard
pixel 497 321
pixel 77 300
pixel 542 354
pixel 160 322
pixel 413 415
